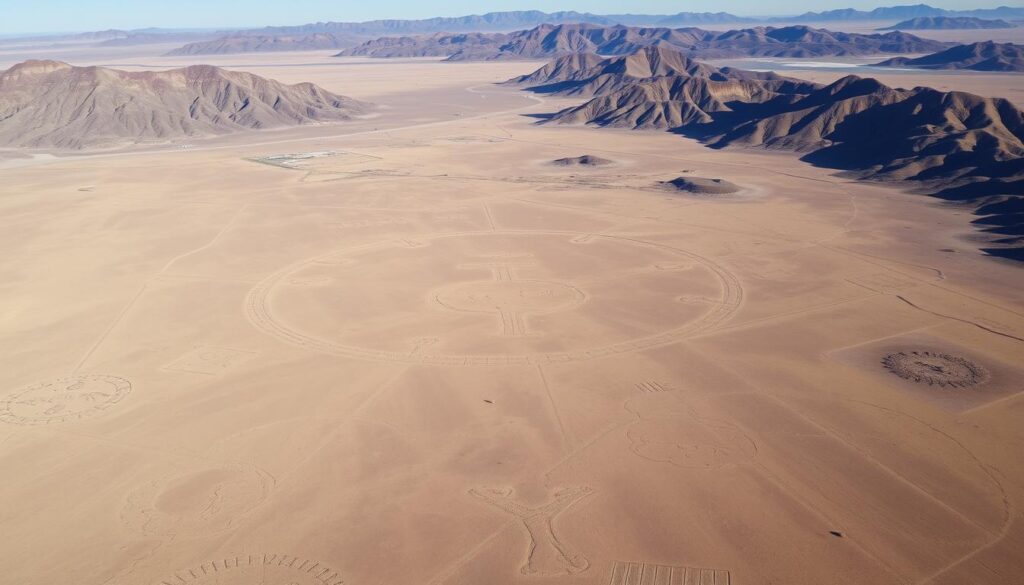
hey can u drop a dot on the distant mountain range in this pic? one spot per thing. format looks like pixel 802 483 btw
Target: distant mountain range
pixel 504 22
pixel 244 43
pixel 349 34
pixel 985 56
pixel 547 41
pixel 948 23
pixel 50 104
pixel 341 35
pixel 119 37
pixel 434 45
pixel 954 145
pixel 516 20
pixel 904 13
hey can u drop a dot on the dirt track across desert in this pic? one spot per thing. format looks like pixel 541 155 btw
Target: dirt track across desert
pixel 412 349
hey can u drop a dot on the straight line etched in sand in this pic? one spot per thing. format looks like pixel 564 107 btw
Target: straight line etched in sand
pixel 566 441
pixel 490 217
pixel 210 360
pixel 124 312
pixel 652 387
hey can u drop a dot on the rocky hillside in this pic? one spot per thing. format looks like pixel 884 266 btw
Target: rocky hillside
pixel 955 145
pixel 587 74
pixel 986 56
pixel 49 104
pixel 435 45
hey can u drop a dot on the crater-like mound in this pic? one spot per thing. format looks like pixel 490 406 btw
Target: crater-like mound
pixel 958 146
pixel 702 186
pixel 587 160
pixel 935 369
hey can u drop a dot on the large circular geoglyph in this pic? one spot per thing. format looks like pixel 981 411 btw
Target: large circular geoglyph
pixel 258 569
pixel 63 399
pixel 495 298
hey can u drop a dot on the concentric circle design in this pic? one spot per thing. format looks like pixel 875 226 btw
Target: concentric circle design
pixel 63 399
pixel 513 294
pixel 260 569
pixel 935 369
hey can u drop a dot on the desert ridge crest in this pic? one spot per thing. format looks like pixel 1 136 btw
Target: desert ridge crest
pixel 82 107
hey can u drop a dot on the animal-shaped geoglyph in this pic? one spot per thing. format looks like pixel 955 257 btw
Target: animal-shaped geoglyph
pixel 547 555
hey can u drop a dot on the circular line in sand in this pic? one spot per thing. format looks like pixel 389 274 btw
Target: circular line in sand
pixel 258 311
pixel 63 399
pixel 254 569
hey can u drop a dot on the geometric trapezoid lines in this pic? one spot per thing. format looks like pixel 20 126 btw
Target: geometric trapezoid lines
pixel 209 360
pixel 258 312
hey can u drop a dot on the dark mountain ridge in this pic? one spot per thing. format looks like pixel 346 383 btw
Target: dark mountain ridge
pixel 954 145
pixel 985 56
pixel 548 41
pixel 519 20
pixel 948 23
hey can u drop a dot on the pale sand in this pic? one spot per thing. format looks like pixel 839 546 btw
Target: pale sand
pixel 434 358
pixel 1004 85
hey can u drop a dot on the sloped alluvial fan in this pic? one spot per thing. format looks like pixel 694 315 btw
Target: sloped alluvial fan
pixel 984 56
pixel 52 104
pixel 554 40
pixel 955 145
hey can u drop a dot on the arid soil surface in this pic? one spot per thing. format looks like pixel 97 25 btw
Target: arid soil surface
pixel 410 350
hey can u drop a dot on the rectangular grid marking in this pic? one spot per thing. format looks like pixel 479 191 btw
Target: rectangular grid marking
pixel 636 573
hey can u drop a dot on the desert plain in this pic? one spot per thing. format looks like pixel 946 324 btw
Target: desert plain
pixel 409 349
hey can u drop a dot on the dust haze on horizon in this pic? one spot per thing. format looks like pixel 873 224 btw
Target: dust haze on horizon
pixel 24 17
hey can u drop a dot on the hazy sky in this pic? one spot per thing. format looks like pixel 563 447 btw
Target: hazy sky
pixel 28 16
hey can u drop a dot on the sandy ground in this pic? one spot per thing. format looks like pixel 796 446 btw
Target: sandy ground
pixel 1004 85
pixel 427 356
